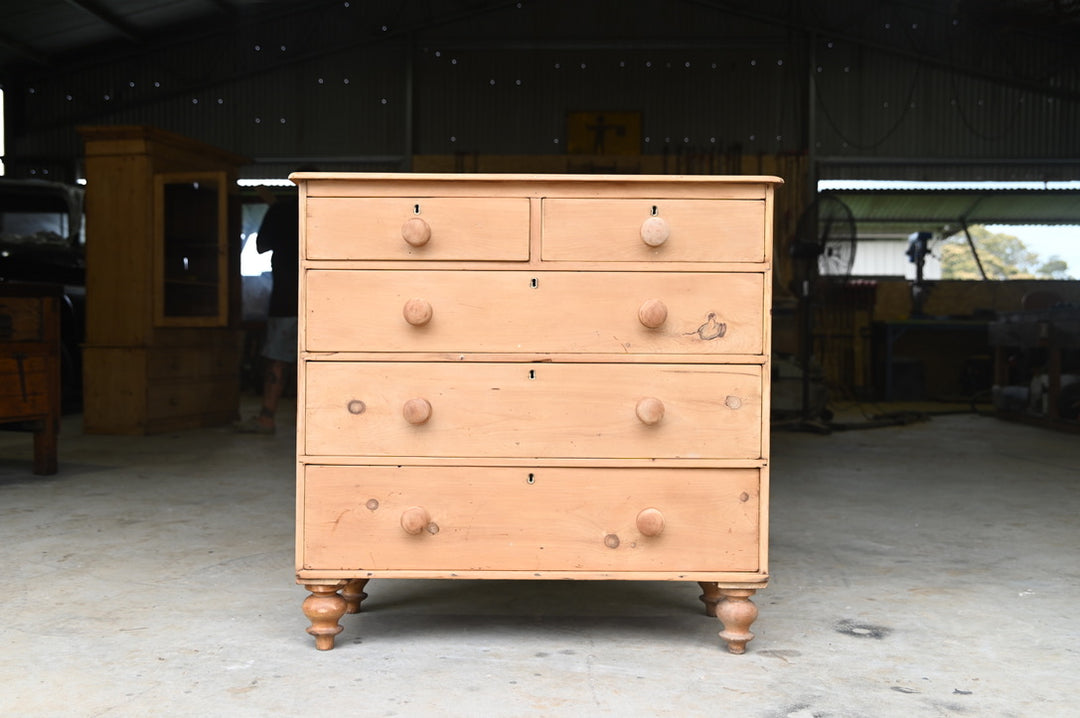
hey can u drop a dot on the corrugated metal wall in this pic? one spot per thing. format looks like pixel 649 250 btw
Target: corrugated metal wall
pixel 888 258
pixel 367 85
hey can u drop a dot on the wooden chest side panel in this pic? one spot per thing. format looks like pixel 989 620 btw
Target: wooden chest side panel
pixel 533 410
pixel 495 519
pixel 534 312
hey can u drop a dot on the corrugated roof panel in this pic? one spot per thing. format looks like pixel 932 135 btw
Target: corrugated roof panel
pixel 958 207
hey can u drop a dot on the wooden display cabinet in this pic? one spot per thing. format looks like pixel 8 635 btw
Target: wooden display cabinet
pixel 163 346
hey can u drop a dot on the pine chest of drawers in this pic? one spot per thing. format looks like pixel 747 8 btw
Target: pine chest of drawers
pixel 533 377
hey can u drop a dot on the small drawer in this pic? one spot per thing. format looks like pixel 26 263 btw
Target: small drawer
pixel 664 230
pixel 524 410
pixel 417 228
pixel 548 312
pixel 23 319
pixel 459 518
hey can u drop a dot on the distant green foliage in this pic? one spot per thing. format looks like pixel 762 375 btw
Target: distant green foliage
pixel 1003 256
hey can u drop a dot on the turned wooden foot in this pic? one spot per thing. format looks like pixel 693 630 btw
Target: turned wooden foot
pixel 736 611
pixel 710 597
pixel 354 595
pixel 323 608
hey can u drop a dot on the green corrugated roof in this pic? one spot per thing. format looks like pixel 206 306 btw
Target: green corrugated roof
pixel 953 208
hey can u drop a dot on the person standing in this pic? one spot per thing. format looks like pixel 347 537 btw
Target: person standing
pixel 279 232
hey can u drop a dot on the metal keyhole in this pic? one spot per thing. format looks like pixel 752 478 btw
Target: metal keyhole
pixel 416 209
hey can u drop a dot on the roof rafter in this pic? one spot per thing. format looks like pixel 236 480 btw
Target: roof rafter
pixel 107 17
pixel 22 49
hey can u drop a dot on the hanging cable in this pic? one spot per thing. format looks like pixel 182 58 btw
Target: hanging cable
pixel 974 252
pixel 889 133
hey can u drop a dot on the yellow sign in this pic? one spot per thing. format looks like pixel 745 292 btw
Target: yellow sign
pixel 603 133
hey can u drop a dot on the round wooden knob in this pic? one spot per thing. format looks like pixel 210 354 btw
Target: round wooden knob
pixel 650 522
pixel 417 312
pixel 415 519
pixel 416 411
pixel 653 313
pixel 650 410
pixel 655 231
pixel 416 232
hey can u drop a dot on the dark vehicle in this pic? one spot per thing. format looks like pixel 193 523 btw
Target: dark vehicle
pixel 42 239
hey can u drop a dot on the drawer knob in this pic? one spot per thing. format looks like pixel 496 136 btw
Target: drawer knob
pixel 417 312
pixel 416 232
pixel 416 411
pixel 650 522
pixel 414 520
pixel 652 313
pixel 650 410
pixel 655 231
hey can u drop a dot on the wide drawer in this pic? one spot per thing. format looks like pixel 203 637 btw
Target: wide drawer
pixel 525 410
pixel 423 228
pixel 520 311
pixel 547 519
pixel 668 230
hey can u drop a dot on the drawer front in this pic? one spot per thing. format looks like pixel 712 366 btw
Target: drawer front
pixel 546 312
pixel 24 386
pixel 525 410
pixel 422 228
pixel 548 519
pixel 22 319
pixel 616 230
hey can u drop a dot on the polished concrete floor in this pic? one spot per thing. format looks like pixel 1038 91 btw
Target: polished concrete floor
pixel 924 570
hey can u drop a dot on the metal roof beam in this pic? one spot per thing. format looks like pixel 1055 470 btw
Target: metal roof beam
pixel 107 17
pixel 23 50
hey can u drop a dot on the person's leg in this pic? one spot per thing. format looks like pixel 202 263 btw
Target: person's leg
pixel 279 351
pixel 273 386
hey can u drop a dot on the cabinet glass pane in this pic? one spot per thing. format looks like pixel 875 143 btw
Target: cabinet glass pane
pixel 191 257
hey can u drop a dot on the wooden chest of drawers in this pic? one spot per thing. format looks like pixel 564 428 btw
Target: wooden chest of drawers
pixel 533 377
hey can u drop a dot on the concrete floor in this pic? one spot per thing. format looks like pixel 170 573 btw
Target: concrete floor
pixel 926 570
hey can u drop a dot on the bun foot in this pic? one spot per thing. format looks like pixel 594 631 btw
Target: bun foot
pixel 324 607
pixel 736 611
pixel 710 597
pixel 353 593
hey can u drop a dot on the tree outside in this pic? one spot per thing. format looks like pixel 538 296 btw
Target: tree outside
pixel 1003 256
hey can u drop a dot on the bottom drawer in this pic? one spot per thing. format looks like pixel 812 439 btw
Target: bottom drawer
pixel 384 518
